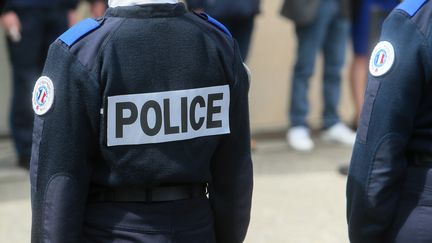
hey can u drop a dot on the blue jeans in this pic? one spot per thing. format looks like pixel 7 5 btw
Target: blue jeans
pixel 328 32
pixel 40 27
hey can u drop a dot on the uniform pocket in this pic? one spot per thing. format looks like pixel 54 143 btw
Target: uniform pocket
pixel 371 93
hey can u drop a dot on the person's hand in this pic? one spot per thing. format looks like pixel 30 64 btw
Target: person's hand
pixel 97 9
pixel 12 25
pixel 72 17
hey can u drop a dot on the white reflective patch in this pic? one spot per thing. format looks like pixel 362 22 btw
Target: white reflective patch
pixel 168 116
pixel 382 59
pixel 43 95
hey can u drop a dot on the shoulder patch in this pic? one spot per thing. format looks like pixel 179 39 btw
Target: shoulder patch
pixel 79 30
pixel 411 6
pixel 43 95
pixel 214 22
pixel 382 59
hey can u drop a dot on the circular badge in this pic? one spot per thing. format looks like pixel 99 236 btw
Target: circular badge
pixel 382 59
pixel 43 95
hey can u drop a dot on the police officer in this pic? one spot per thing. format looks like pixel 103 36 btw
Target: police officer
pixel 138 116
pixel 31 26
pixel 390 177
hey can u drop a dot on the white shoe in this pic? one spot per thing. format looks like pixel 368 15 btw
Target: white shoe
pixel 299 139
pixel 339 133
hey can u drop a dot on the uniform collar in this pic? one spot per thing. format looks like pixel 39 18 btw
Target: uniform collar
pixel 119 3
pixel 147 11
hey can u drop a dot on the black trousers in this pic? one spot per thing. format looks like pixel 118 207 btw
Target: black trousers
pixel 413 220
pixel 241 28
pixel 183 221
pixel 40 27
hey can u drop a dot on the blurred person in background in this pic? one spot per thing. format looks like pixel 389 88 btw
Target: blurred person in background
pixel 321 25
pixel 238 16
pixel 97 8
pixel 31 26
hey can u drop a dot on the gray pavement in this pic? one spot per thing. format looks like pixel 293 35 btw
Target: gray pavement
pixel 298 197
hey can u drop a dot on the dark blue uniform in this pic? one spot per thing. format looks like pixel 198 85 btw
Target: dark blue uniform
pixel 237 15
pixel 390 177
pixel 2 4
pixel 136 113
pixel 42 21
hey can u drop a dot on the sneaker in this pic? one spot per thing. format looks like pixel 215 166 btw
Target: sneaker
pixel 299 139
pixel 339 133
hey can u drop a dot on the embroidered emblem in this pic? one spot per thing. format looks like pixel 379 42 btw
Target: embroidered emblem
pixel 43 95
pixel 382 59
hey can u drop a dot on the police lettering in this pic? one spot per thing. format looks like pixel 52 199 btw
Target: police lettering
pixel 163 115
pixel 168 116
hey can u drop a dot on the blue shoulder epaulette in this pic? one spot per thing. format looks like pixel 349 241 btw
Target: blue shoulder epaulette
pixel 79 30
pixel 411 6
pixel 216 23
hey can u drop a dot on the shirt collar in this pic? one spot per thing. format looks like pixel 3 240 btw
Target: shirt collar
pixel 119 3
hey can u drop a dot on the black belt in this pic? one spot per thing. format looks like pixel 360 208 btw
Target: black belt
pixel 421 160
pixel 153 194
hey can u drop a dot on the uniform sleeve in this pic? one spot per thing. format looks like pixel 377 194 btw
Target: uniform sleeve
pixel 65 142
pixel 230 191
pixel 379 159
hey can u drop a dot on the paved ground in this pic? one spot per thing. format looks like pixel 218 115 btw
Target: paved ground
pixel 298 198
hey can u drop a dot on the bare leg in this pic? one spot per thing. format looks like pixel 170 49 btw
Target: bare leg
pixel 358 78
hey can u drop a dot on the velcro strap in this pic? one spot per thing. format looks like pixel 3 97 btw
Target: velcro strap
pixel 154 194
